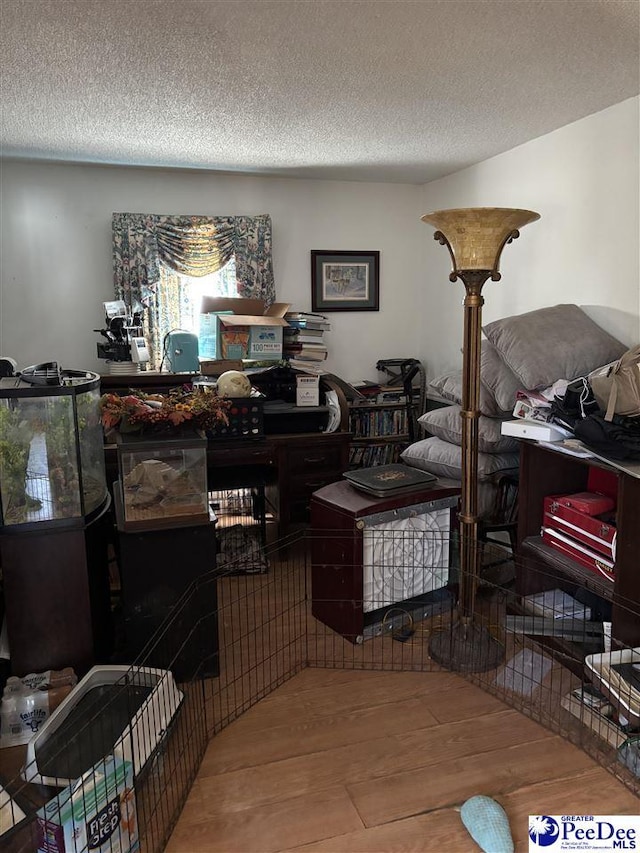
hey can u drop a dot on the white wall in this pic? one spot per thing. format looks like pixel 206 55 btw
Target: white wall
pixel 584 181
pixel 56 252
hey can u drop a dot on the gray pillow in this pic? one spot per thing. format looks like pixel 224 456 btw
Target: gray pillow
pixel 498 384
pixel 444 459
pixel 446 424
pixel 449 387
pixel 560 342
pixel 497 377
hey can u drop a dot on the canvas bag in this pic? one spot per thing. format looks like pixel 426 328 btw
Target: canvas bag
pixel 616 386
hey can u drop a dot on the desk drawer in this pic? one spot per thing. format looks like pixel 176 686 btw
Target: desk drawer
pixel 243 454
pixel 302 487
pixel 303 460
pixel 301 492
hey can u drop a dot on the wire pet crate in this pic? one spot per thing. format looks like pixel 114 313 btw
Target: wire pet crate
pixel 241 529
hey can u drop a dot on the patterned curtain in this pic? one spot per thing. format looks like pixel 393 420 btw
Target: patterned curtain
pixel 192 245
pixel 132 250
pixel 252 246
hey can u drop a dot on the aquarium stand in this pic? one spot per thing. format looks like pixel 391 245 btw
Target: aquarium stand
pixel 57 599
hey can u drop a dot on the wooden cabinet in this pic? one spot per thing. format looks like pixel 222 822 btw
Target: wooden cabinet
pixel 156 568
pixel 56 588
pixel 543 472
pixel 346 557
pixel 306 463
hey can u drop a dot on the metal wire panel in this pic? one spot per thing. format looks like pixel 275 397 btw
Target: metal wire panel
pixel 235 637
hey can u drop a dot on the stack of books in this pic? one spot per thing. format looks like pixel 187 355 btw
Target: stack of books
pixel 373 392
pixel 303 339
pixel 367 390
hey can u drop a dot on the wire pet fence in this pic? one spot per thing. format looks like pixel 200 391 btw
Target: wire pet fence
pixel 115 771
pixel 235 637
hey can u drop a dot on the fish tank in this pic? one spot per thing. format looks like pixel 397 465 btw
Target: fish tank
pixel 52 468
pixel 162 480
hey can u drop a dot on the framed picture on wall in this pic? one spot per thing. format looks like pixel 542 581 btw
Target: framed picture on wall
pixel 345 281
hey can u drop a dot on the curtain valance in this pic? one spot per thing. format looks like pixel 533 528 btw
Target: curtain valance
pixel 198 248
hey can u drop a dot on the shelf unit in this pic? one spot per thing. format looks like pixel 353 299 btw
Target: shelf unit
pixel 544 471
pixel 380 432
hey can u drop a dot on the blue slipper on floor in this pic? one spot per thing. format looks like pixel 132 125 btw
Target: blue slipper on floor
pixel 488 824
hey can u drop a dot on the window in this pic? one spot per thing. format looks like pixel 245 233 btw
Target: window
pixel 178 300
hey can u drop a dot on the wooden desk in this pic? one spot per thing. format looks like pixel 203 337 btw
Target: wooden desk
pixel 290 466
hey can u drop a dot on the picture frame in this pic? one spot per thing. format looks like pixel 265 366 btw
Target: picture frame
pixel 345 280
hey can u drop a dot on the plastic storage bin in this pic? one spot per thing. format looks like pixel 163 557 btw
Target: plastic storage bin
pixel 114 709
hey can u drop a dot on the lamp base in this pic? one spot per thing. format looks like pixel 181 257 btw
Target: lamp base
pixel 466 647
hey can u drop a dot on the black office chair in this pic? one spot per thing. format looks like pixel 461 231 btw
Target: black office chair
pixel 503 518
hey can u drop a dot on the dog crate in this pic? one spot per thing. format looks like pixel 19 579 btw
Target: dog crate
pixel 241 523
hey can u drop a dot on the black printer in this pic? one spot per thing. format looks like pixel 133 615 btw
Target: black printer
pixel 283 417
pixel 281 414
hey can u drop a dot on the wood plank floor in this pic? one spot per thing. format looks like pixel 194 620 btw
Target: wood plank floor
pixel 348 761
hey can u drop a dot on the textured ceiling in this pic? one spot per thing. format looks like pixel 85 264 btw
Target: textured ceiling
pixel 376 90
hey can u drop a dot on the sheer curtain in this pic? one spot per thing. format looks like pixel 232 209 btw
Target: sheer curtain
pixel 191 245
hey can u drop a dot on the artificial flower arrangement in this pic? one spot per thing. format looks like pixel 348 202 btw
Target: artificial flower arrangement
pixel 201 408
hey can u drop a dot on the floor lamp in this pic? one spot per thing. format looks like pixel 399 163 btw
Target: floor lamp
pixel 475 238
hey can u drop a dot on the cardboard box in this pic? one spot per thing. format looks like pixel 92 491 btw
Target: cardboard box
pixel 218 366
pixel 98 812
pixel 536 430
pixel 208 336
pixel 307 390
pixel 250 331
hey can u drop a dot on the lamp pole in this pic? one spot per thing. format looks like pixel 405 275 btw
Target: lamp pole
pixel 470 414
pixel 475 238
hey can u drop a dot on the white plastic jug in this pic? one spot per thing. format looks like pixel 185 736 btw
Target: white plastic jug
pixel 21 714
pixel 27 702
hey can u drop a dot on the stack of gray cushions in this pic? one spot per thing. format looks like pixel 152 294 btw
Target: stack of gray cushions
pixel 529 351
